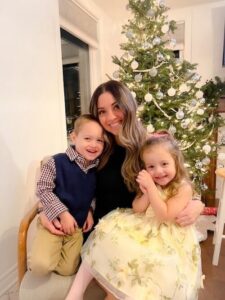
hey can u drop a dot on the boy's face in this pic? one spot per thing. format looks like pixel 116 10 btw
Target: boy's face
pixel 89 141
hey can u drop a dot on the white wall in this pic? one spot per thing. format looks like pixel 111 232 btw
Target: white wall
pixel 204 34
pixel 32 111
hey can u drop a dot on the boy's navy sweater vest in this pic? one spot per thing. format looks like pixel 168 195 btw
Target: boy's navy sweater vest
pixel 74 187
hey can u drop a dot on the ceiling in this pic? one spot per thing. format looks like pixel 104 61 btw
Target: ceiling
pixel 115 7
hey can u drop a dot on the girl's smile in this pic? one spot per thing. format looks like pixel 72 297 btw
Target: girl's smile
pixel 160 164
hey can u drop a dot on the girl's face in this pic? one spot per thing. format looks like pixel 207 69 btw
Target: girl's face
pixel 109 113
pixel 160 164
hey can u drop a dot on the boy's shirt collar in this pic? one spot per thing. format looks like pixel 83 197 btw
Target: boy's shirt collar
pixel 80 160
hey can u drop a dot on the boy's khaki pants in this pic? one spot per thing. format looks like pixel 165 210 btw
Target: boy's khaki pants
pixel 60 254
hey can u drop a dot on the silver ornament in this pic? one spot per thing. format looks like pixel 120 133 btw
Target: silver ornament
pixel 206 161
pixel 150 13
pixel 160 57
pixel 129 34
pixel 173 42
pixel 202 101
pixel 156 41
pixel 138 77
pixel 116 74
pixel 193 102
pixel 159 95
pixel 180 114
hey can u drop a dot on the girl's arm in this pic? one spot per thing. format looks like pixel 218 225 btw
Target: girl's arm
pixel 140 204
pixel 169 210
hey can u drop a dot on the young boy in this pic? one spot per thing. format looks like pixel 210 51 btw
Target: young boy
pixel 66 188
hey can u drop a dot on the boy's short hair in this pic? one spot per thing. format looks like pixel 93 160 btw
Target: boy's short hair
pixel 81 120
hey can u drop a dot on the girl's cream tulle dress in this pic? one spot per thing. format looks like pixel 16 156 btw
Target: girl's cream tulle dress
pixel 136 257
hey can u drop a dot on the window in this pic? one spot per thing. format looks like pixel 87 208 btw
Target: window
pixel 76 77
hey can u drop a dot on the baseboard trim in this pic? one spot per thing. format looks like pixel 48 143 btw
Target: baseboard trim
pixel 8 280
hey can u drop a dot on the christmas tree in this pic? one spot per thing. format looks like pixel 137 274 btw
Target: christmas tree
pixel 167 89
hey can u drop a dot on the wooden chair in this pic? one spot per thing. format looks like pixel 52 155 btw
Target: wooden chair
pixel 220 220
pixel 22 242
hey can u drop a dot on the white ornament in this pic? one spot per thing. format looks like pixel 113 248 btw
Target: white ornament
pixel 180 114
pixel 153 72
pixel 199 94
pixel 159 95
pixel 133 94
pixel 206 149
pixel 171 92
pixel 148 97
pixel 138 77
pixel 165 28
pixel 150 128
pixel 172 129
pixel 134 64
pixel 200 112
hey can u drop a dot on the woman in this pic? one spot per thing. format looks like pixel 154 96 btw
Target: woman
pixel 114 106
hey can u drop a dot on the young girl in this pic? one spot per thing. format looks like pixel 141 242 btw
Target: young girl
pixel 143 254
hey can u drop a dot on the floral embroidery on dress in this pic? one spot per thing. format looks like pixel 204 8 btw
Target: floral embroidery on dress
pixel 137 257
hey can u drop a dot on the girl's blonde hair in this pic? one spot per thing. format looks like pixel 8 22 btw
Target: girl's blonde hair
pixel 163 137
pixel 132 134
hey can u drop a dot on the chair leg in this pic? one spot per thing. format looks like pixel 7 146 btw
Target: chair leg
pixel 216 252
pixel 218 233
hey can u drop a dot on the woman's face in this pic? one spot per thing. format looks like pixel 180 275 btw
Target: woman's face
pixel 109 113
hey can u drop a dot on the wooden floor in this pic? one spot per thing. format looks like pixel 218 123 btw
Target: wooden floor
pixel 214 283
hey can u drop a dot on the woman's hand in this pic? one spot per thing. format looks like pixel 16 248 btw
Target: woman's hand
pixel 54 227
pixel 89 222
pixel 190 213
